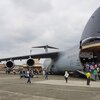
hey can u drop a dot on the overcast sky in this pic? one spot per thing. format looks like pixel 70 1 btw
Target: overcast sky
pixel 28 23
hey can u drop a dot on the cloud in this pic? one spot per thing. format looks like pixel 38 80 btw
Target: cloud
pixel 33 5
pixel 59 23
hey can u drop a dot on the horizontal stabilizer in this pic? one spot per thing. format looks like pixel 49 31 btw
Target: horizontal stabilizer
pixel 46 46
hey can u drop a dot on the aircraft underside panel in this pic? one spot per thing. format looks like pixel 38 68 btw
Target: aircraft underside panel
pixel 70 61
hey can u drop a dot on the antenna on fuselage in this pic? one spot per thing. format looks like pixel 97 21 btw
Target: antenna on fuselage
pixel 45 47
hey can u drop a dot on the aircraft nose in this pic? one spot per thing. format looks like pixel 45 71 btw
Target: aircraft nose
pixel 91 34
pixel 92 28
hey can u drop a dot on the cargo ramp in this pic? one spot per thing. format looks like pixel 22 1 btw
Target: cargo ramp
pixel 84 74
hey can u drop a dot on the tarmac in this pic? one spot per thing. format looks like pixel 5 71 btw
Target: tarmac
pixel 55 88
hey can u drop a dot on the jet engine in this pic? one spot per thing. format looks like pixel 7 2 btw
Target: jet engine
pixel 30 62
pixel 10 64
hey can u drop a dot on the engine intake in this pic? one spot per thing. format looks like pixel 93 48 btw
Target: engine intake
pixel 30 62
pixel 10 64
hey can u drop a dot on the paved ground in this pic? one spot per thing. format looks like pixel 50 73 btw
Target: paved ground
pixel 13 88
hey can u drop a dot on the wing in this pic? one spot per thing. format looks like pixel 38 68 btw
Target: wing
pixel 43 55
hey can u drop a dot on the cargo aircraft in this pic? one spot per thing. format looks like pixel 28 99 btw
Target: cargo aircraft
pixel 74 58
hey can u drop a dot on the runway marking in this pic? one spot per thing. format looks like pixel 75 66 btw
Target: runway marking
pixel 29 97
pixel 70 83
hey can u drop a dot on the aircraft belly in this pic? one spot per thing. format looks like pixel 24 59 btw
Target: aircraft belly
pixel 70 62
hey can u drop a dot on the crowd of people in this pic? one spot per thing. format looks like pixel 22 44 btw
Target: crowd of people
pixel 8 71
pixel 89 68
pixel 30 73
pixel 93 68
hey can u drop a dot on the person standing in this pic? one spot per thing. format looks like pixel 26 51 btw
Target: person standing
pixel 98 72
pixel 87 67
pixel 14 72
pixel 95 65
pixel 21 72
pixel 99 75
pixel 91 67
pixel 43 72
pixel 88 75
pixel 95 74
pixel 66 76
pixel 46 74
pixel 29 75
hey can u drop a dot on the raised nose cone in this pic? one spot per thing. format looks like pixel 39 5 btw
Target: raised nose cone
pixel 92 29
pixel 90 40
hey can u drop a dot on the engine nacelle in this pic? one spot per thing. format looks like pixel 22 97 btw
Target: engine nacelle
pixel 10 64
pixel 30 62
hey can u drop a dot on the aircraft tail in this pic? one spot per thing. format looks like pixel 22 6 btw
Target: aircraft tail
pixel 45 47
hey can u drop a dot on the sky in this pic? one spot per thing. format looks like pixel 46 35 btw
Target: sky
pixel 28 23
